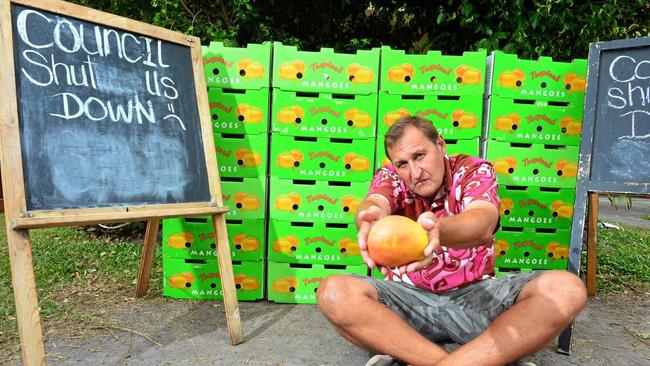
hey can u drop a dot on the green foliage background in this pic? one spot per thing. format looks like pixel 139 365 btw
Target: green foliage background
pixel 561 29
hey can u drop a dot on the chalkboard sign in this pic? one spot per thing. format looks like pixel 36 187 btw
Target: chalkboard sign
pixel 615 151
pixel 108 117
pixel 615 146
pixel 102 119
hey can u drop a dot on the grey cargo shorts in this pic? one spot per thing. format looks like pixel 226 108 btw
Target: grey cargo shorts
pixel 459 315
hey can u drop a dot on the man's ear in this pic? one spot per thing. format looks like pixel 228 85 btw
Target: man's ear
pixel 441 146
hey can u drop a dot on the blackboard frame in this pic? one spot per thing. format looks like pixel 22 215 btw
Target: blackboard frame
pixel 19 220
pixel 588 189
pixel 584 183
pixel 13 177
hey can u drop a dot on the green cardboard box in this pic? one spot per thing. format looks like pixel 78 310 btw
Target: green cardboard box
pixel 193 238
pixel 239 111
pixel 457 118
pixel 544 79
pixel 241 156
pixel 245 197
pixel 534 164
pixel 539 207
pixel 516 120
pixel 501 272
pixel 297 283
pixel 317 243
pixel 199 279
pixel 532 248
pixel 237 68
pixel 324 115
pixel 376 273
pixel 325 71
pixel 315 201
pixel 433 73
pixel 322 158
pixel 454 147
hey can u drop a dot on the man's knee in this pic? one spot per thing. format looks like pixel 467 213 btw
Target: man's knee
pixel 339 293
pixel 565 289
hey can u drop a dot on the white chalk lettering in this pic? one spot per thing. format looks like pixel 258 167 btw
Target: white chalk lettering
pixel 106 41
pixel 74 107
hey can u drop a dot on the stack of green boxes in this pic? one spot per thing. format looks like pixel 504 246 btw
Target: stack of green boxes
pixel 448 90
pixel 238 82
pixel 323 123
pixel 532 136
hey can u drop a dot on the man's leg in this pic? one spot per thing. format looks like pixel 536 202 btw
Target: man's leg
pixel 352 305
pixel 544 307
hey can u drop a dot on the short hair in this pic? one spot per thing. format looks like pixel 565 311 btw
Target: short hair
pixel 396 131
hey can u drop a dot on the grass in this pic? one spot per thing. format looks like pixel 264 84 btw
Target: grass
pixel 622 258
pixel 77 276
pixel 646 217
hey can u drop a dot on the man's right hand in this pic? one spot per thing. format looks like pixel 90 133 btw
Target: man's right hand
pixel 367 219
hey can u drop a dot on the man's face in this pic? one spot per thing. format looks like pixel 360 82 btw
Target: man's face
pixel 419 162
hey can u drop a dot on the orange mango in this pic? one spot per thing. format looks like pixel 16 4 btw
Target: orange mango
pixel 396 240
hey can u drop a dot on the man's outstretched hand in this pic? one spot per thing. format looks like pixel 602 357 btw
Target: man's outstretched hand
pixel 431 225
pixel 367 219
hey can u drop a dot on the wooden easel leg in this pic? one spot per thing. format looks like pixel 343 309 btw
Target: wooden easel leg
pixel 147 257
pixel 27 312
pixel 227 280
pixel 592 236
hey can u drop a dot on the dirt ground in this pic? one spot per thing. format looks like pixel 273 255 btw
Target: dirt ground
pixel 612 330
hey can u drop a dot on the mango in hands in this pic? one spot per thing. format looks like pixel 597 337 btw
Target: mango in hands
pixel 396 240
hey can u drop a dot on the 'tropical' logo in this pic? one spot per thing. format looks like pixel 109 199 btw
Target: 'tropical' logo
pixel 315 111
pixel 527 162
pixel 222 151
pixel 326 64
pixel 534 75
pixel 527 243
pixel 220 60
pixel 540 117
pixel 307 281
pixel 431 111
pixel 314 155
pixel 424 69
pixel 523 203
pixel 221 106
pixel 321 239
pixel 312 198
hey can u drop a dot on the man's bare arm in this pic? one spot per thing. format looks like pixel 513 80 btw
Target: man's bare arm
pixel 472 227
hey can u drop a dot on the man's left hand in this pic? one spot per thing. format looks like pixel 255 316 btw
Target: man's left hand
pixel 431 224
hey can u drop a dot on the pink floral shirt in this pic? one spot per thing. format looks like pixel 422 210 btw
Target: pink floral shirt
pixel 466 179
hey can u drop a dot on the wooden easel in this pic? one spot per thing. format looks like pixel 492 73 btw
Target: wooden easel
pixel 20 219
